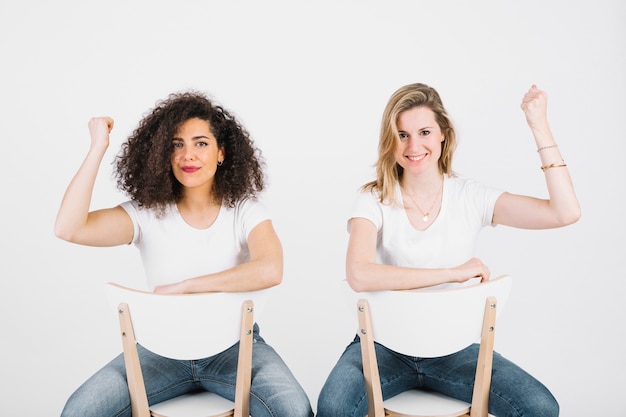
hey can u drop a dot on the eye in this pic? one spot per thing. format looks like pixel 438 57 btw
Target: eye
pixel 201 143
pixel 177 144
pixel 403 136
pixel 425 132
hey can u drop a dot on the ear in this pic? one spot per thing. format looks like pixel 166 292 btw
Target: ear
pixel 221 154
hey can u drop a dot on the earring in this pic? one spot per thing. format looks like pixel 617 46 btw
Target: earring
pixel 219 163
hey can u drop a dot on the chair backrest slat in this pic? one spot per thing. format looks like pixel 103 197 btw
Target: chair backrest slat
pixel 432 323
pixel 194 325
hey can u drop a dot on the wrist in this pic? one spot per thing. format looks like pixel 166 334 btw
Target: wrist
pixel 544 147
pixel 98 149
pixel 542 134
pixel 186 286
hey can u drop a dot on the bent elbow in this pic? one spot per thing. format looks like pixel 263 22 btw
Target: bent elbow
pixel 275 280
pixel 570 217
pixel 63 233
pixel 574 217
pixel 355 280
pixel 273 276
pixel 356 287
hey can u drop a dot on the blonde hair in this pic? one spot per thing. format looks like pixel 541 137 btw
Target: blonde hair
pixel 388 172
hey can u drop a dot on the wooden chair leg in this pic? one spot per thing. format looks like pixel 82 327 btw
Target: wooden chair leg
pixel 370 364
pixel 136 387
pixel 482 382
pixel 244 362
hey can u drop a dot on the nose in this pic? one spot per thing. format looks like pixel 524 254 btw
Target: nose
pixel 188 153
pixel 413 142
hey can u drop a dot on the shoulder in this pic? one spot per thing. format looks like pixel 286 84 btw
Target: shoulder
pixel 141 214
pixel 367 205
pixel 248 206
pixel 459 181
pixel 132 209
pixel 466 195
pixel 367 196
pixel 464 185
pixel 248 213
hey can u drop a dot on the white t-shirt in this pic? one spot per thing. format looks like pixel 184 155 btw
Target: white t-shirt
pixel 450 240
pixel 172 250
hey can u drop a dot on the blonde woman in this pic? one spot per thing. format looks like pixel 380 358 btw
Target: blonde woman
pixel 416 226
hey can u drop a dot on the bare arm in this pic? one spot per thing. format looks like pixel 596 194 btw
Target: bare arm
pixel 74 222
pixel 561 208
pixel 364 274
pixel 264 270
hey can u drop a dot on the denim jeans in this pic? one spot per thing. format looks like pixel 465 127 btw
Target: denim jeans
pixel 513 391
pixel 274 392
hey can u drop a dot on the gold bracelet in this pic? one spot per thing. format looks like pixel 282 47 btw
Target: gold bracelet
pixel 553 165
pixel 547 147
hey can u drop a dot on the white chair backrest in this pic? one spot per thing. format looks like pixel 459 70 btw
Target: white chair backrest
pixel 433 323
pixel 189 326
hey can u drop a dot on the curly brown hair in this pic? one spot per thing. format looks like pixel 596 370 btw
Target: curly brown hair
pixel 143 166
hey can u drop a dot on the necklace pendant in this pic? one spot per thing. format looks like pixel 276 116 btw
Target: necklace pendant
pixel 425 218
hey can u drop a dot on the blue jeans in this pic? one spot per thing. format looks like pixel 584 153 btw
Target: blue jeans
pixel 513 391
pixel 274 392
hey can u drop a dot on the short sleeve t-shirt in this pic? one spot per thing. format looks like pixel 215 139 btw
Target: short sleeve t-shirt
pixel 467 206
pixel 172 250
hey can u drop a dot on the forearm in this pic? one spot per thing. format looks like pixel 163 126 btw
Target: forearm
pixel 74 210
pixel 563 204
pixel 379 277
pixel 249 276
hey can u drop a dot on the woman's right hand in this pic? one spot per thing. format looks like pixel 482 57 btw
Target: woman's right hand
pixel 99 129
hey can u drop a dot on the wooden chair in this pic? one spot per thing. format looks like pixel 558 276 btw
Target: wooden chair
pixel 186 327
pixel 430 323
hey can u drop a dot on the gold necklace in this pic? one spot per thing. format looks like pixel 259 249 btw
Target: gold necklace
pixel 425 215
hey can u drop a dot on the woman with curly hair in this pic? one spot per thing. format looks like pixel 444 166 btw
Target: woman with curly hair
pixel 193 175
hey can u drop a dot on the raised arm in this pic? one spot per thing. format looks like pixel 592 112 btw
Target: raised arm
pixel 365 274
pixel 263 270
pixel 75 223
pixel 561 208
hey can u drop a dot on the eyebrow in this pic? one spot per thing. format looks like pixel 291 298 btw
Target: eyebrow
pixel 421 128
pixel 193 138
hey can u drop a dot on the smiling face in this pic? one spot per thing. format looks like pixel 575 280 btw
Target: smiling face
pixel 419 140
pixel 195 154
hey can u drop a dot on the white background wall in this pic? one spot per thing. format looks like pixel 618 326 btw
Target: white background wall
pixel 310 81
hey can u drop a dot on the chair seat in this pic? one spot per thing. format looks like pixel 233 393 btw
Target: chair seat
pixel 198 404
pixel 419 403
